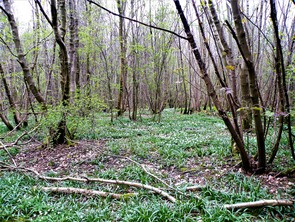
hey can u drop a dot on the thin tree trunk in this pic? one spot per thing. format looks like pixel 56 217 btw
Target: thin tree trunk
pixel 227 51
pixel 60 134
pixel 16 115
pixel 280 68
pixel 123 60
pixel 135 62
pixel 246 54
pixel 210 88
pixel 74 45
pixel 20 53
pixel 186 107
pixel 246 112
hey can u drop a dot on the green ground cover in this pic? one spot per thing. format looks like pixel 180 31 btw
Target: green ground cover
pixel 182 150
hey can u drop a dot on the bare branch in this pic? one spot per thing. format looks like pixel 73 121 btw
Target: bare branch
pixel 154 176
pixel 4 146
pixel 139 22
pixel 7 46
pixel 38 43
pixel 43 12
pixel 5 12
pixel 259 29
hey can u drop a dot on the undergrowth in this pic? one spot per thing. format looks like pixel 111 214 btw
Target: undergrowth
pixel 174 143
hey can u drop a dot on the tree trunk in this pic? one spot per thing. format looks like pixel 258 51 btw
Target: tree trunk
pixel 280 69
pixel 227 52
pixel 135 68
pixel 4 118
pixel 210 88
pixel 246 54
pixel 123 60
pixel 61 134
pixel 73 50
pixel 246 112
pixel 20 53
pixel 16 115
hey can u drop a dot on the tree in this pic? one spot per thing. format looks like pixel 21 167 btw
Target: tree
pixel 248 58
pixel 283 92
pixel 3 117
pixel 210 88
pixel 73 47
pixel 60 134
pixel 121 5
pixel 20 53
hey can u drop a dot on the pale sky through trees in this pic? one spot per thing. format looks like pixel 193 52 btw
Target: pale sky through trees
pixel 23 8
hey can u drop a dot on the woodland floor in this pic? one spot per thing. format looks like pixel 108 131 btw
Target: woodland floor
pixel 81 159
pixel 179 152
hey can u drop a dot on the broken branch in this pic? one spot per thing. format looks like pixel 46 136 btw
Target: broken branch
pixel 260 203
pixel 86 179
pixel 73 190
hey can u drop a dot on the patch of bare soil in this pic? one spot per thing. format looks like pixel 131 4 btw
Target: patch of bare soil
pixel 62 158
pixel 84 156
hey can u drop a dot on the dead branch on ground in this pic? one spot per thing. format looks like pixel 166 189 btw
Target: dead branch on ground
pixel 16 142
pixel 154 176
pixel 260 203
pixel 73 190
pixel 100 180
pixel 145 170
pixel 3 146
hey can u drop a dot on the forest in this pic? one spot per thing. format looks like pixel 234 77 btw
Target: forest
pixel 156 110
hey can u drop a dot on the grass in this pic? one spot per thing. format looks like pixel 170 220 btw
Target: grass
pixel 172 145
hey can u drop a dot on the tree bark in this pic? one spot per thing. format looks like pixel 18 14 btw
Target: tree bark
pixel 16 114
pixel 280 69
pixel 4 118
pixel 74 45
pixel 123 60
pixel 246 54
pixel 246 112
pixel 87 192
pixel 259 203
pixel 135 63
pixel 227 52
pixel 60 135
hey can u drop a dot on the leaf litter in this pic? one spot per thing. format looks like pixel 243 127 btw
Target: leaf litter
pixel 86 157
